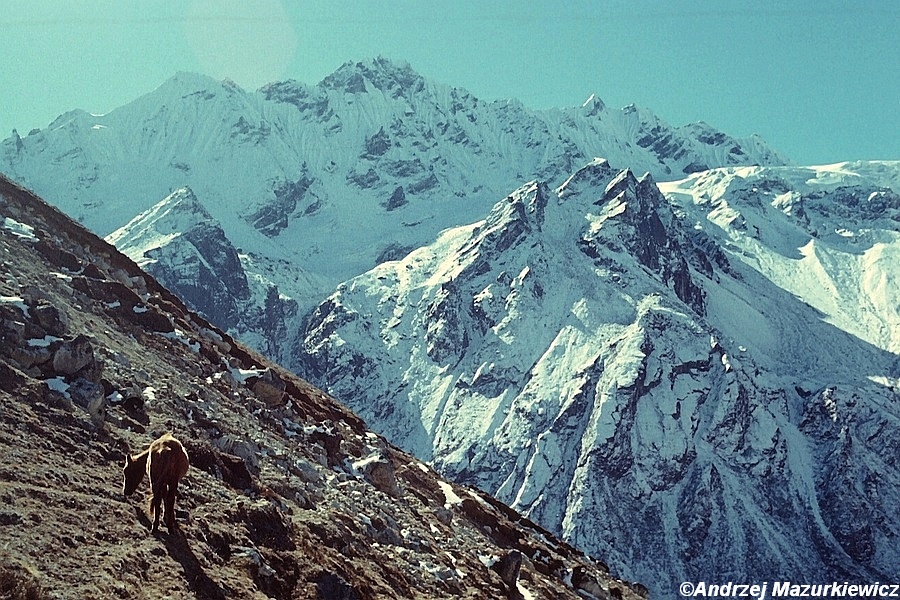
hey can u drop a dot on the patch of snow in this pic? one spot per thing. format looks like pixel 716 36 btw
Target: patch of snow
pixel 241 375
pixel 450 497
pixel 58 384
pixel 488 560
pixel 16 301
pixel 21 230
pixel 180 336
pixel 524 592
pixel 359 465
pixel 149 394
pixel 43 342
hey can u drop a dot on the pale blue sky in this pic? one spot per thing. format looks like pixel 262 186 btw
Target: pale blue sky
pixel 818 79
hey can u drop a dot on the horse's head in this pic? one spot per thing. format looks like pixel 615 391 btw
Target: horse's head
pixel 133 474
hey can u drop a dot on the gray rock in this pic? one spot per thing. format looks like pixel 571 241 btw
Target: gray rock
pixel 73 356
pixel 50 318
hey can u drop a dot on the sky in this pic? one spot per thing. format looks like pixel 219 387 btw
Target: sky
pixel 818 79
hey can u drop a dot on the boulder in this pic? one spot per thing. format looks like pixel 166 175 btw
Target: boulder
pixel 378 470
pixel 73 356
pixel 50 318
pixel 508 567
pixel 270 388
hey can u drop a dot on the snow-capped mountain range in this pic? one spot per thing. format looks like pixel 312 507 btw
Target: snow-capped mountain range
pixel 702 360
pixel 331 179
pixel 714 371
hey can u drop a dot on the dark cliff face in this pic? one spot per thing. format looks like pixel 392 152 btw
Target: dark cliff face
pixel 190 254
pixel 204 269
pixel 645 226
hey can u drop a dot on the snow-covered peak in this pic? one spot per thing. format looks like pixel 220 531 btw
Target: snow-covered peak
pixel 175 215
pixel 593 106
pixel 191 82
pixel 379 73
pixel 67 116
pixel 641 366
pixel 589 179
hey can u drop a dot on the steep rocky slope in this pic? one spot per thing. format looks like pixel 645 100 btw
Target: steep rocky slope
pixel 289 495
pixel 659 380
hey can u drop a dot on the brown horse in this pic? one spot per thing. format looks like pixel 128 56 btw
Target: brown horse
pixel 166 462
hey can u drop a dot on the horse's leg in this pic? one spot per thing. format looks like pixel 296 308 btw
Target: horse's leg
pixel 155 501
pixel 170 507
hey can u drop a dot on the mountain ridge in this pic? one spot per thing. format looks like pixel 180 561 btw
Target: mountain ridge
pixel 444 147
pixel 602 350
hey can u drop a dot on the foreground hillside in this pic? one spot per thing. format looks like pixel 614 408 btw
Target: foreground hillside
pixel 289 495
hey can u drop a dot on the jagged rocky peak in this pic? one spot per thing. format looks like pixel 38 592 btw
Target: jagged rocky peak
pixel 640 195
pixel 531 199
pixel 637 218
pixel 594 177
pixel 380 73
pixel 521 212
pixel 593 106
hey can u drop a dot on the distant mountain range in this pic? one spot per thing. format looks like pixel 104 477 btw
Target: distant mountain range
pixel 702 360
pixel 323 182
